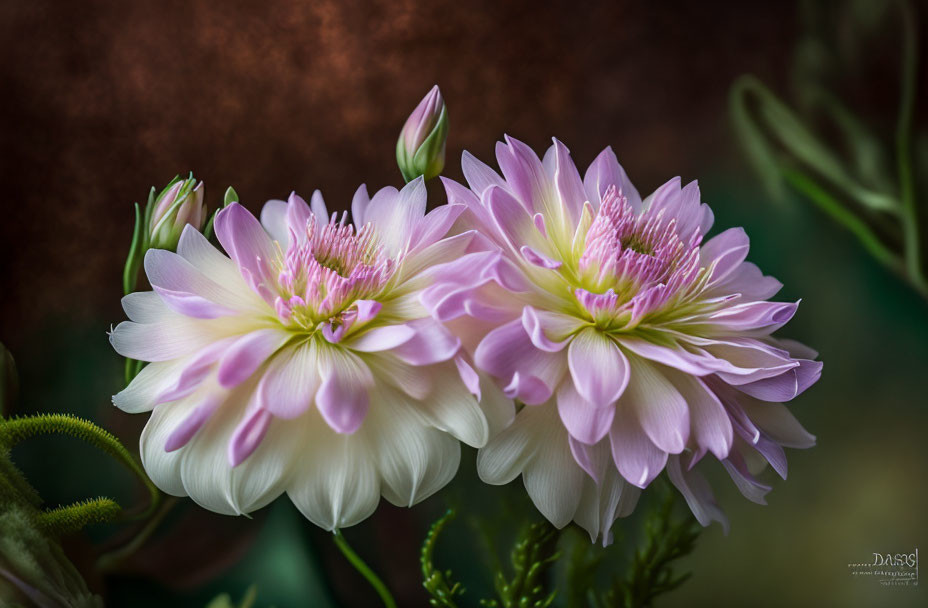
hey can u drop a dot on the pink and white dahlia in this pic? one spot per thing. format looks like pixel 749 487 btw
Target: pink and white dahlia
pixel 635 345
pixel 304 362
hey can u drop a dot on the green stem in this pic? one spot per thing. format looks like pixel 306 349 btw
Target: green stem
pixel 71 518
pixel 912 225
pixel 827 203
pixel 108 561
pixel 364 569
pixel 14 430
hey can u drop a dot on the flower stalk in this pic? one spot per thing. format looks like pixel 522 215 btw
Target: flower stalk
pixel 364 570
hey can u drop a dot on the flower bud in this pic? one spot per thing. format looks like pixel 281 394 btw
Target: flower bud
pixel 179 204
pixel 420 149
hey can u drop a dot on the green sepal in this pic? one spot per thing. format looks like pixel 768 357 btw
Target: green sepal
pixel 136 252
pixel 429 158
pixel 231 196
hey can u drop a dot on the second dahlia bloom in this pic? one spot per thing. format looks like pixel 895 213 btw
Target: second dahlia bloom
pixel 635 344
pixel 303 362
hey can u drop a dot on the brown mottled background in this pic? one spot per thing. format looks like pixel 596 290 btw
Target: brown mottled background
pixel 103 99
pixel 100 100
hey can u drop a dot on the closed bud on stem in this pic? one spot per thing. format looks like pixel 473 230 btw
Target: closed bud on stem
pixel 420 149
pixel 179 204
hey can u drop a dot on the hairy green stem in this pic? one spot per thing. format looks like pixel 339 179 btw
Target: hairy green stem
pixel 15 430
pixel 71 518
pixel 364 570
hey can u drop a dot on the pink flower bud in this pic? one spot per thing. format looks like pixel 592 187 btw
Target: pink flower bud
pixel 420 149
pixel 181 203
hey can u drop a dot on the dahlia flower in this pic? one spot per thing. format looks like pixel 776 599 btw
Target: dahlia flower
pixel 304 364
pixel 634 345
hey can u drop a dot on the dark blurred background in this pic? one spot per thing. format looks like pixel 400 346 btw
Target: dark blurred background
pixel 103 99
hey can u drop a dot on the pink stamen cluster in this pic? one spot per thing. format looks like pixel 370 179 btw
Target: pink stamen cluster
pixel 327 269
pixel 634 263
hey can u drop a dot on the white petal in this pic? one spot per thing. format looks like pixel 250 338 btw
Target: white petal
pixel 161 466
pixel 601 504
pixel 336 484
pixel 174 336
pixel 453 409
pixel 506 455
pixel 211 481
pixel 145 307
pixel 274 220
pixel 197 250
pixel 415 459
pixel 553 478
pixel 154 378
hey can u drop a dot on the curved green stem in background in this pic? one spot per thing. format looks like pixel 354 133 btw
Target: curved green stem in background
pixel 109 561
pixel 827 203
pixel 912 225
pixel 15 430
pixel 364 569
pixel 438 583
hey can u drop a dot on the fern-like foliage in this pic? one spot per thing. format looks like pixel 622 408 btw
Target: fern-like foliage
pixel 437 582
pixel 651 572
pixel 532 556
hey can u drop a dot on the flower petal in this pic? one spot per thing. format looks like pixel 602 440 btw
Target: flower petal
pixel 274 220
pixel 386 337
pixel 288 386
pixel 698 494
pixel 636 457
pixel 154 379
pixel 431 343
pixel 552 478
pixel 453 409
pixel 606 171
pixel 479 176
pixel 336 485
pixel 658 406
pixel 249 352
pixel 603 502
pixel 583 420
pixel 246 241
pixel 543 327
pixel 415 460
pixel 343 396
pixel 507 351
pixel 598 367
pixel 778 423
pixel 724 253
pixel 359 204
pixel 709 423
